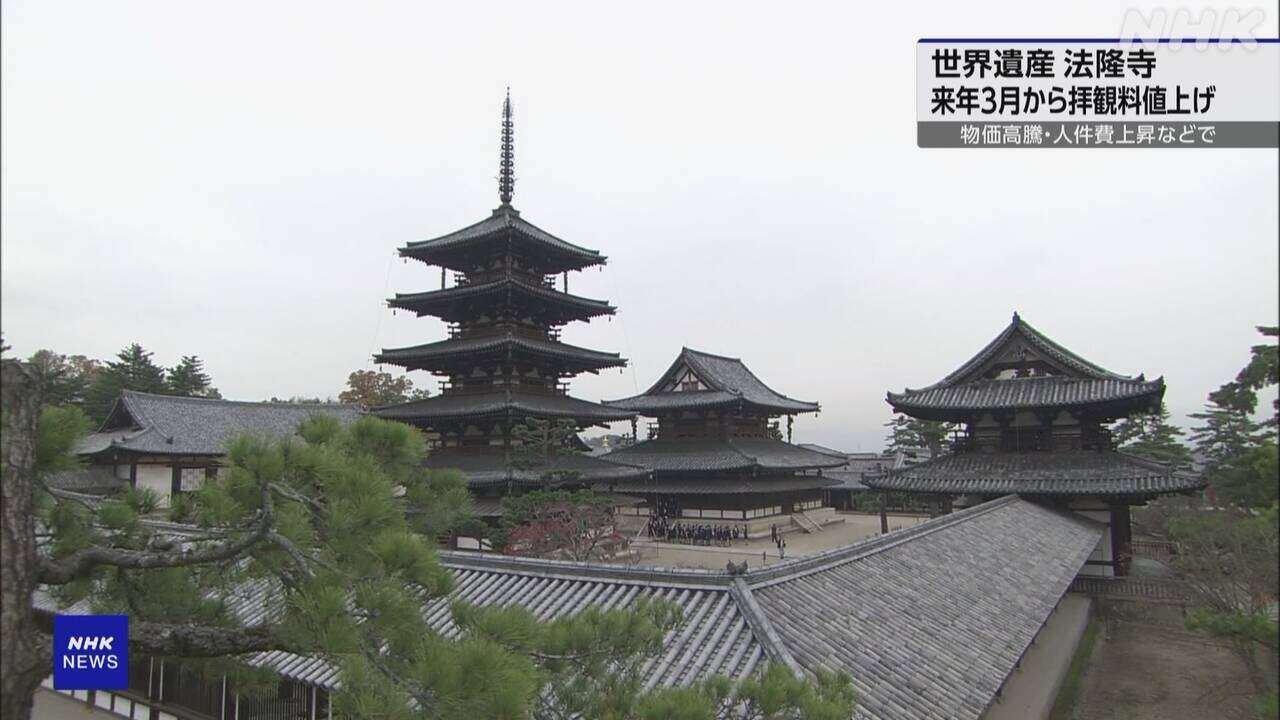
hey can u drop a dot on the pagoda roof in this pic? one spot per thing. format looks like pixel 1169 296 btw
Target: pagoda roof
pixel 1065 380
pixel 503 229
pixel 458 302
pixel 432 354
pixel 501 403
pixel 1045 472
pixel 485 467
pixel 715 455
pixel 723 381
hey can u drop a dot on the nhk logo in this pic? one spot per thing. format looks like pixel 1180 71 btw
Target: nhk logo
pixel 91 652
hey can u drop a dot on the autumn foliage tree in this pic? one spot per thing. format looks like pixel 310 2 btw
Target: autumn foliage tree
pixel 571 525
pixel 375 389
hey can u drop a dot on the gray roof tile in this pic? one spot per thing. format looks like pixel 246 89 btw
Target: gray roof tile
pixel 1058 472
pixel 929 621
pixel 168 425
pixel 729 380
pixel 709 454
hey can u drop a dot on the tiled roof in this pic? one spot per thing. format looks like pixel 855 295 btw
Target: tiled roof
pixel 505 225
pixel 1031 392
pixel 719 486
pixel 1019 329
pixel 92 479
pixel 929 620
pixel 729 380
pixel 823 449
pixel 168 425
pixel 709 454
pixel 845 480
pixel 491 468
pixel 508 404
pixel 422 356
pixel 1059 472
pixel 453 303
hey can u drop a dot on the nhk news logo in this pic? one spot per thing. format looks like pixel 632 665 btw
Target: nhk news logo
pixel 90 652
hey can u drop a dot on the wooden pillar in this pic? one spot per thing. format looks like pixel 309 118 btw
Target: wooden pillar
pixel 884 515
pixel 1121 536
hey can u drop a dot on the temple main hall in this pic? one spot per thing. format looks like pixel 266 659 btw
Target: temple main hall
pixel 714 451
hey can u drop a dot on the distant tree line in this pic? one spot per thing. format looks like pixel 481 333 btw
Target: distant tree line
pixel 93 385
pixel 73 380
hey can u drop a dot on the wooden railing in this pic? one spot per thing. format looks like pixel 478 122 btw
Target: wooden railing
pixel 1130 588
pixel 1158 549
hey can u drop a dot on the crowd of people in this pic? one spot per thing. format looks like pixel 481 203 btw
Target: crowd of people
pixel 664 527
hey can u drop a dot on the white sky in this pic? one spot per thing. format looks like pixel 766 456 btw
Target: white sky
pixel 232 179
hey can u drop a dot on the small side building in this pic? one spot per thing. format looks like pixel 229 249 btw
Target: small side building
pixel 171 444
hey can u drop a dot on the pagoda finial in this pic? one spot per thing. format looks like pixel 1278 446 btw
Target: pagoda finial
pixel 506 167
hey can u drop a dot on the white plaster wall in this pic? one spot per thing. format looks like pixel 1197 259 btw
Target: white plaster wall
pixel 1030 691
pixel 159 478
pixel 1102 553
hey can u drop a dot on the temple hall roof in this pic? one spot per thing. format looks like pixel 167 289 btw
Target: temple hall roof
pixel 1049 376
pixel 473 348
pixel 1058 472
pixel 501 403
pixel 168 425
pixel 712 380
pixel 715 455
pixel 737 485
pixel 930 621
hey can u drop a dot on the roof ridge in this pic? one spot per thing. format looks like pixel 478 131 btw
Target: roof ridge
pixel 708 579
pixel 225 401
pixel 758 622
pixel 775 392
pixel 687 349
pixel 1035 337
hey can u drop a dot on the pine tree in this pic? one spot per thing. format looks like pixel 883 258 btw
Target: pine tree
pixel 1225 432
pixel 1153 436
pixel 1263 371
pixel 132 369
pixel 343 522
pixel 909 432
pixel 188 379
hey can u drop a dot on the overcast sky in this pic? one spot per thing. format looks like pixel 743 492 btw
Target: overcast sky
pixel 232 179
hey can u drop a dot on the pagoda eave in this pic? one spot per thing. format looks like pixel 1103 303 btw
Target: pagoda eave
pixel 493 468
pixel 516 406
pixel 450 356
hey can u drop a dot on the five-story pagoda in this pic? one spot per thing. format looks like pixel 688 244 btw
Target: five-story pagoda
pixel 503 360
